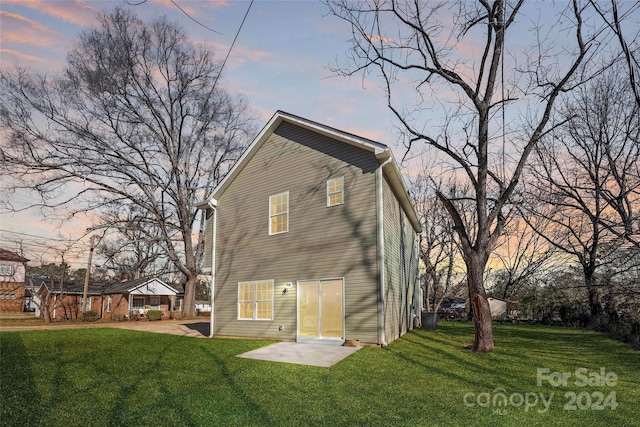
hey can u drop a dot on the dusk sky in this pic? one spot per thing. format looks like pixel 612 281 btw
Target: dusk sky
pixel 280 62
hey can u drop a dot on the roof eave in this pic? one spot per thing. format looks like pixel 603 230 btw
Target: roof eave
pixel 391 171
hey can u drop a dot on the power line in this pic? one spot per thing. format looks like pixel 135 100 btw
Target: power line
pixel 235 38
pixel 215 83
pixel 193 19
pixel 36 236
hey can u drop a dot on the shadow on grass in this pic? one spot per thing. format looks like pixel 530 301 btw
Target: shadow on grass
pixel 257 415
pixel 19 398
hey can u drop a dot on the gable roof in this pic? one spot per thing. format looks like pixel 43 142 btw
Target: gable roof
pixel 143 286
pixel 381 151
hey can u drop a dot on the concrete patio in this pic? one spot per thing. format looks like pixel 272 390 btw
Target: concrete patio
pixel 301 353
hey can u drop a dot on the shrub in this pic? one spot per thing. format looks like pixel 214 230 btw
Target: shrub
pixel 117 317
pixel 89 316
pixel 624 329
pixel 154 314
pixel 175 315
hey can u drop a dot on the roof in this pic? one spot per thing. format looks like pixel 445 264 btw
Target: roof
pixel 144 285
pixel 6 255
pixel 381 151
pixel 67 288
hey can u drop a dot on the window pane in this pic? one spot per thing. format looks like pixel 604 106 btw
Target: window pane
pixel 279 223
pixel 264 310
pixel 335 199
pixel 263 291
pixel 278 203
pixel 245 291
pixel 246 310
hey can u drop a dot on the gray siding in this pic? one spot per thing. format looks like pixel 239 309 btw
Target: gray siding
pixel 322 242
pixel 401 268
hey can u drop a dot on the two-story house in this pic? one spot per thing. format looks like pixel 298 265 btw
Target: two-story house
pixel 312 237
pixel 12 285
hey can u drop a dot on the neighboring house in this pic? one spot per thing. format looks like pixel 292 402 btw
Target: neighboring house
pixel 12 276
pixel 316 239
pixel 65 299
pixel 134 298
pixel 203 306
pixel 499 308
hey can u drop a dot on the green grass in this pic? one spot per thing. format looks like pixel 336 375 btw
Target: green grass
pixel 113 377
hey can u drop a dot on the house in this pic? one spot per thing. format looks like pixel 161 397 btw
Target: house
pixel 12 275
pixel 316 239
pixel 134 298
pixel 65 298
pixel 499 308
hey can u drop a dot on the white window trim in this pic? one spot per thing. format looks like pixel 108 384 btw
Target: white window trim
pixel 281 213
pixel 109 303
pixel 341 179
pixel 256 301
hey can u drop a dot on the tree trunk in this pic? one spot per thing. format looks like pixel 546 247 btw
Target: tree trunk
pixel 595 306
pixel 44 309
pixel 189 303
pixel 483 340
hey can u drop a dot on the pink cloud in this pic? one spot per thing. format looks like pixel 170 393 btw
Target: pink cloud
pixel 75 12
pixel 19 56
pixel 19 29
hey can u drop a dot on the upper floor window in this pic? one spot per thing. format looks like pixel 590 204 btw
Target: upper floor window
pixel 279 213
pixel 6 270
pixel 335 191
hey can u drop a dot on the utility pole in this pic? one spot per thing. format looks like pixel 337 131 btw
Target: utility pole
pixel 86 277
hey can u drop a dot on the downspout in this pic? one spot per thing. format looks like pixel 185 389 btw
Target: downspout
pixel 213 204
pixel 381 275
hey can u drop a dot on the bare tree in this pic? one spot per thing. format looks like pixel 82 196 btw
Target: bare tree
pixel 137 117
pixel 133 250
pixel 439 249
pixel 584 178
pixel 50 276
pixel 630 46
pixel 407 43
pixel 521 256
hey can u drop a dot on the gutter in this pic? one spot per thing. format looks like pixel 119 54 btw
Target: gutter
pixel 213 204
pixel 385 158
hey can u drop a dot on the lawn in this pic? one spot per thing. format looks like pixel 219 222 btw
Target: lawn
pixel 100 377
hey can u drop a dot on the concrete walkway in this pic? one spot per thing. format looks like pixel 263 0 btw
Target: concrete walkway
pixel 196 328
pixel 301 353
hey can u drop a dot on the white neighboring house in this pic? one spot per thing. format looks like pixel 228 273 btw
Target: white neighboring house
pixel 203 306
pixel 499 308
